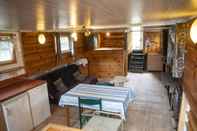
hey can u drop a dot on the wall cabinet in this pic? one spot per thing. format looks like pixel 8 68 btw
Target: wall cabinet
pixel 27 110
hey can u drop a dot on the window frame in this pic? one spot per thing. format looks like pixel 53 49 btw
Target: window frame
pixel 14 60
pixel 71 50
pixel 69 42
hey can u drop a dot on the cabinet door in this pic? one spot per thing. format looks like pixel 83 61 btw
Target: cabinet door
pixel 39 103
pixel 17 113
pixel 2 121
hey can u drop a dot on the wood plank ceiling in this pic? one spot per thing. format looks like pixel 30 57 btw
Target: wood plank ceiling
pixel 59 14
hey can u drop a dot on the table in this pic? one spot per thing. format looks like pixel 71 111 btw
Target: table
pixel 114 99
pixel 55 127
pixel 99 123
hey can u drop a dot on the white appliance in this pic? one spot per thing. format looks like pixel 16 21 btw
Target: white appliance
pixel 17 113
pixel 39 103
pixel 26 111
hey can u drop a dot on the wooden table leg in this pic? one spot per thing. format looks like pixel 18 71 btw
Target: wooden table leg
pixel 67 116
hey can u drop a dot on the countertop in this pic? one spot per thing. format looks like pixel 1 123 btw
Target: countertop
pixel 12 87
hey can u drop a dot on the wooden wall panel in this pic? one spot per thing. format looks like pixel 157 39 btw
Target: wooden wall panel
pixel 192 122
pixel 115 40
pixel 80 47
pixel 38 57
pixel 106 64
pixel 103 63
pixel 189 81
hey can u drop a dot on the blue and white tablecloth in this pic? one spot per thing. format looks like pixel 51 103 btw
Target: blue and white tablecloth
pixel 114 99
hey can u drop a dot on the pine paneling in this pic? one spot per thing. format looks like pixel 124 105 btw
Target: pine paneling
pixel 38 57
pixel 190 74
pixel 106 63
pixel 192 121
pixel 115 40
pixel 102 63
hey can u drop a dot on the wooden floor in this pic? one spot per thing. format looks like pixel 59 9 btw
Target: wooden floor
pixel 148 112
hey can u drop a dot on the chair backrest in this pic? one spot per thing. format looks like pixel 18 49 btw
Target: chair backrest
pixel 90 102
pixel 105 84
pixel 87 101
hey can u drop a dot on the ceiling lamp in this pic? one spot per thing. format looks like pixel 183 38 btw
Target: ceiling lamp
pixel 107 34
pixel 193 32
pixel 74 36
pixel 87 33
pixel 41 39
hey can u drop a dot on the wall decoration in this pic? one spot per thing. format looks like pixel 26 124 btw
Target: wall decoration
pixel 152 42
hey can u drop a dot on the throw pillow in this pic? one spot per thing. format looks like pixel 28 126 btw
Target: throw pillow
pixel 60 85
pixel 78 76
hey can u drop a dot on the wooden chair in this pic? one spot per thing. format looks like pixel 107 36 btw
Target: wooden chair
pixel 84 116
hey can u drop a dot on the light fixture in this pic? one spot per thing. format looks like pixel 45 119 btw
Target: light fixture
pixel 108 34
pixel 74 36
pixel 41 39
pixel 193 32
pixel 87 33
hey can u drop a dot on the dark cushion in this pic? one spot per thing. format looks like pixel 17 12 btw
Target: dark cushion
pixel 90 80
pixel 67 74
pixel 79 77
pixel 60 86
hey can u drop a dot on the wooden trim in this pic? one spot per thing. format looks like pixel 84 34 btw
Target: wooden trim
pixel 12 69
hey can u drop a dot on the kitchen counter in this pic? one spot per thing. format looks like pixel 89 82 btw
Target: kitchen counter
pixel 12 87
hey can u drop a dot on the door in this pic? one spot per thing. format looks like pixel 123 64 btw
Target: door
pixel 39 103
pixel 17 113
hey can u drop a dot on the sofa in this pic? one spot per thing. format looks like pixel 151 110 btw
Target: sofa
pixel 67 74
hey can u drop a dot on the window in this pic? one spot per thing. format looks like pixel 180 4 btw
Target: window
pixel 64 44
pixel 137 38
pixel 6 50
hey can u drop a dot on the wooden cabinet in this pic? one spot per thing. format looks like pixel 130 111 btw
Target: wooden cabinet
pixel 27 110
pixel 17 113
pixel 39 104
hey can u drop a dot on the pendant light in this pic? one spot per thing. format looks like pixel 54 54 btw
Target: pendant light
pixel 193 32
